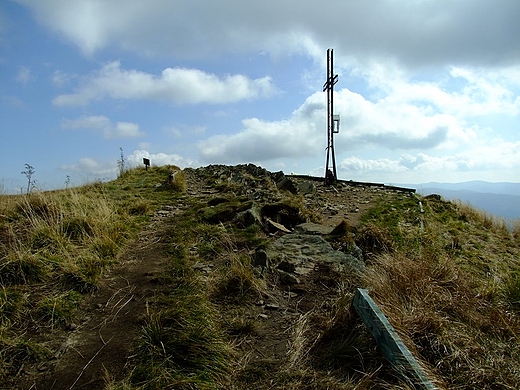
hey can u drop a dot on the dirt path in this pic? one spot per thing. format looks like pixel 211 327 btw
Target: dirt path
pixel 98 347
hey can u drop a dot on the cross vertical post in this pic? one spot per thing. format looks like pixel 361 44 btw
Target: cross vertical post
pixel 330 171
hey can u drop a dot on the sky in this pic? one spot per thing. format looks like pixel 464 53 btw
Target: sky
pixel 428 90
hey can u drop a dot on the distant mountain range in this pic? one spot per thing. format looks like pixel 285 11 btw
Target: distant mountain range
pixel 500 199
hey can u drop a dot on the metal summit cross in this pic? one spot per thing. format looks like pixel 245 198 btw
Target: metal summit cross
pixel 332 120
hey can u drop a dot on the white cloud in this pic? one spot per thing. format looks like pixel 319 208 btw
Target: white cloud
pixel 104 125
pixel 179 131
pixel 262 141
pixel 91 167
pixel 24 75
pixel 393 122
pixel 438 126
pixel 370 165
pixel 61 79
pixel 159 159
pixel 176 85
pixel 124 130
pixel 482 159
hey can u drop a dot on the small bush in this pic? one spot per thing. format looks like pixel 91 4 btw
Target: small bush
pixel 181 347
pixel 179 182
pixel 238 282
pixel 516 230
pixel 20 351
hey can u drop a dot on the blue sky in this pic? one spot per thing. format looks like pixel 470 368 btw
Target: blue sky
pixel 429 90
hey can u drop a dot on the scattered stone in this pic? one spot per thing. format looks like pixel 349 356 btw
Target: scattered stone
pixel 204 268
pixel 356 252
pixel 433 196
pixel 272 306
pixel 260 259
pixel 287 278
pixel 249 217
pixel 286 266
pixel 263 316
pixel 341 230
pixel 217 200
pixel 277 226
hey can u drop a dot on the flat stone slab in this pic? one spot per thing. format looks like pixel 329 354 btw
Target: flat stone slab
pixel 313 228
pixel 305 251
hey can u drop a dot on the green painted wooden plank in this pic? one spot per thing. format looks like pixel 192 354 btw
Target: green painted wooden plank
pixel 389 341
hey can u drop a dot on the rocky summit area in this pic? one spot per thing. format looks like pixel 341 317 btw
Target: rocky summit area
pixel 308 258
pixel 297 231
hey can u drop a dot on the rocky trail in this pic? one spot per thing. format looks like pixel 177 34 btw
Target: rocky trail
pixel 299 268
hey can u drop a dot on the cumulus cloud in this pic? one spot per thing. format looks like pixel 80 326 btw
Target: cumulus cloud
pixel 160 159
pixel 402 115
pixel 262 141
pixel 91 167
pixel 482 157
pixel 176 85
pixel 105 126
pixel 365 165
pixel 418 32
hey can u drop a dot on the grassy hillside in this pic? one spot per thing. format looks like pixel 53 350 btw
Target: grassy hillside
pixel 54 249
pixel 448 279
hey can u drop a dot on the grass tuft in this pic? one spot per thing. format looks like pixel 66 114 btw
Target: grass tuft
pixel 59 309
pixel 181 345
pixel 21 268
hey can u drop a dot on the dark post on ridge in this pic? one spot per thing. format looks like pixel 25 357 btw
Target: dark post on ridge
pixel 146 162
pixel 330 165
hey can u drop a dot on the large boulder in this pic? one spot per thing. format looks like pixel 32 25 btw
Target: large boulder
pixel 284 183
pixel 302 252
pixel 307 188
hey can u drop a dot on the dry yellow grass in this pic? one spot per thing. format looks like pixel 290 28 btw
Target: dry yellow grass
pixel 456 301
